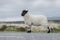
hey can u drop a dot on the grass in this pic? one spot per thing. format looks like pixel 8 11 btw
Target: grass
pixel 12 29
pixel 56 30
pixel 5 28
pixel 21 29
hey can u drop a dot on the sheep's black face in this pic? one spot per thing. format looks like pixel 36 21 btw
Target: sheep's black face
pixel 24 12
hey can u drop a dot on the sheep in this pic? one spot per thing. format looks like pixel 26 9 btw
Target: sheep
pixel 34 20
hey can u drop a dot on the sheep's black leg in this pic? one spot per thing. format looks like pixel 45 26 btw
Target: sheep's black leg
pixel 48 30
pixel 29 29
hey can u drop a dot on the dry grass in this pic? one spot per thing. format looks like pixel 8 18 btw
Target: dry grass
pixel 23 27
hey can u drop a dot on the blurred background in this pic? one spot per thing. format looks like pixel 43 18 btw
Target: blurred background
pixel 10 10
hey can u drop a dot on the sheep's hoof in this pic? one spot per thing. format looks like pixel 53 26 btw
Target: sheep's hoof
pixel 29 31
pixel 48 31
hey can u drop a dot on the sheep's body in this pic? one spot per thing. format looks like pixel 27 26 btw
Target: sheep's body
pixel 36 20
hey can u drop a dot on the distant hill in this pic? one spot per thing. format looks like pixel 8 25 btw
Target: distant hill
pixel 15 22
pixel 54 19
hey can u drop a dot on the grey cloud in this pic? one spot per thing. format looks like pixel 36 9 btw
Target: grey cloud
pixel 13 8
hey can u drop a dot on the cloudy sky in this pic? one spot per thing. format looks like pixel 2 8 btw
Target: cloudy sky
pixel 10 10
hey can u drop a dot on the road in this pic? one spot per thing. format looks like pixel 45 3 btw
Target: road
pixel 29 36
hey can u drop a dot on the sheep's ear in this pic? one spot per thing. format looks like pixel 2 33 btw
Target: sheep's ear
pixel 25 10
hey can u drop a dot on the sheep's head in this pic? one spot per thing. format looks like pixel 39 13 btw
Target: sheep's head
pixel 24 12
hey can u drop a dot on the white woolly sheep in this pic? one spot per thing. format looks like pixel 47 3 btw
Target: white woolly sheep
pixel 34 20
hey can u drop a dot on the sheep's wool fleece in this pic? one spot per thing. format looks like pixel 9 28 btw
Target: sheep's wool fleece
pixel 36 20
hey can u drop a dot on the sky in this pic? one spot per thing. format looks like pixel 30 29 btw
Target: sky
pixel 10 10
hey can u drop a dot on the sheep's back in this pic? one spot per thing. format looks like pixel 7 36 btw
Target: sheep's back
pixel 39 20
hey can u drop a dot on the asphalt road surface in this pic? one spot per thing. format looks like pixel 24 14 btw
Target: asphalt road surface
pixel 29 36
